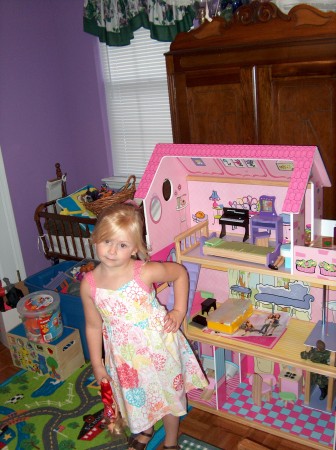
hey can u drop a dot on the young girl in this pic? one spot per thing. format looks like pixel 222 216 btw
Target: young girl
pixel 148 361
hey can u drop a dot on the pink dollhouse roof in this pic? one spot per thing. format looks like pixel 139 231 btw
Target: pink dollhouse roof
pixel 300 164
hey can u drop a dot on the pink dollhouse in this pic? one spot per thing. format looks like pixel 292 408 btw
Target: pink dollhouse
pixel 246 221
pixel 188 184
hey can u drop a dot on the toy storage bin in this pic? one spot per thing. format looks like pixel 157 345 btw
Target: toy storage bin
pixel 41 316
pixel 71 305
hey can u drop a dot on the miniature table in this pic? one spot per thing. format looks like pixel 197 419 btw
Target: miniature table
pixel 267 223
pixel 207 304
pixel 287 397
pixel 242 290
pixel 217 213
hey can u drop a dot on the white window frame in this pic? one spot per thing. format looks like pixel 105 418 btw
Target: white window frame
pixel 137 101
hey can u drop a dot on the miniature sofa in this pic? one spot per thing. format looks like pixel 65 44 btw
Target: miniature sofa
pixel 295 297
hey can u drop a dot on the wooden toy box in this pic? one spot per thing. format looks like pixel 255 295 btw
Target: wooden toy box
pixel 57 359
pixel 71 305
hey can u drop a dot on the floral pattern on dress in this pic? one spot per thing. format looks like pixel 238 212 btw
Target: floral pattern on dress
pixel 151 370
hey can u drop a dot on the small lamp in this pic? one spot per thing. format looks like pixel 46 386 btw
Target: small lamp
pixel 214 197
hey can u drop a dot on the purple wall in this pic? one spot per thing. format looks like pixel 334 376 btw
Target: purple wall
pixel 52 107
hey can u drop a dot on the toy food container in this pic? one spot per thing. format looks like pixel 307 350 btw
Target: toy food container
pixel 41 316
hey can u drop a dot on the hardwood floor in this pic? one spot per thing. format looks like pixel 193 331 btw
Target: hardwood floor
pixel 213 429
pixel 226 434
pixel 6 367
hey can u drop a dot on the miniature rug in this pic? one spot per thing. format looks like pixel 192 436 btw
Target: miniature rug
pixel 187 442
pixel 40 412
pixel 256 335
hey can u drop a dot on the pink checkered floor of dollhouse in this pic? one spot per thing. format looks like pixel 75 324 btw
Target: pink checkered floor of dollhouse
pixel 296 419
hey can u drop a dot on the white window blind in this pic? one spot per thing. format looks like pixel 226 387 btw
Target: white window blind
pixel 137 101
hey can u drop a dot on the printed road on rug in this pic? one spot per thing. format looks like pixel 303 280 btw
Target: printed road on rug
pixel 189 443
pixel 41 412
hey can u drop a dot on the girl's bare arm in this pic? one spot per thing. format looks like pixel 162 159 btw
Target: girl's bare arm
pixel 155 272
pixel 94 331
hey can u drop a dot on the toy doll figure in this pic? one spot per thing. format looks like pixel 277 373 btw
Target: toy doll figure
pixel 274 324
pixel 248 327
pixel 266 325
pixel 114 422
pixel 322 356
pixel 148 361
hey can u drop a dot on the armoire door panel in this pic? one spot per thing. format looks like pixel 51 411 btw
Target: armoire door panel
pixel 216 114
pixel 178 108
pixel 302 111
pixel 220 108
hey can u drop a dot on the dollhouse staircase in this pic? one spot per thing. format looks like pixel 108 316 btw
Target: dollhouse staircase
pixel 193 271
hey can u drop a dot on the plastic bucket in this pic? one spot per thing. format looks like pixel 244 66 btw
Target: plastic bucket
pixel 41 316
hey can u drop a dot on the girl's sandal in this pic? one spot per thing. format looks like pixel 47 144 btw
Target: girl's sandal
pixel 172 447
pixel 134 444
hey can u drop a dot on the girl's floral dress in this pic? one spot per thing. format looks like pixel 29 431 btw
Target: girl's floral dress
pixel 151 370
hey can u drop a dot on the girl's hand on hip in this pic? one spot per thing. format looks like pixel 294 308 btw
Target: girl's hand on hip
pixel 172 321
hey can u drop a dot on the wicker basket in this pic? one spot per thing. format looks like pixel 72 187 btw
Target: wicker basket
pixel 126 193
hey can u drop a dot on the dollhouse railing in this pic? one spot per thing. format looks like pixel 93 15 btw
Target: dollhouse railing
pixel 190 239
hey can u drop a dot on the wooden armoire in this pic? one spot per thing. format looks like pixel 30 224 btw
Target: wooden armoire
pixel 264 78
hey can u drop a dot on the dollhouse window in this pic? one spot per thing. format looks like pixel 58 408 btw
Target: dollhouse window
pixel 155 209
pixel 134 82
pixel 167 189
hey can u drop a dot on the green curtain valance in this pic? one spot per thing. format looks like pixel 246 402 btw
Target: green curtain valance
pixel 114 21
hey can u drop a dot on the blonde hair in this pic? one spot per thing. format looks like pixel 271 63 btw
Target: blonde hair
pixel 120 217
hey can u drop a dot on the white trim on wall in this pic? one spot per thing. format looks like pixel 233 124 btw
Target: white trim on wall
pixel 11 259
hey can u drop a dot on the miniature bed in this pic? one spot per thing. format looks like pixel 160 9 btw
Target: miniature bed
pixel 244 251
pixel 63 236
pixel 210 245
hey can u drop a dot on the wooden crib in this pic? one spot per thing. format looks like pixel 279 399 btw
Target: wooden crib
pixel 63 237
